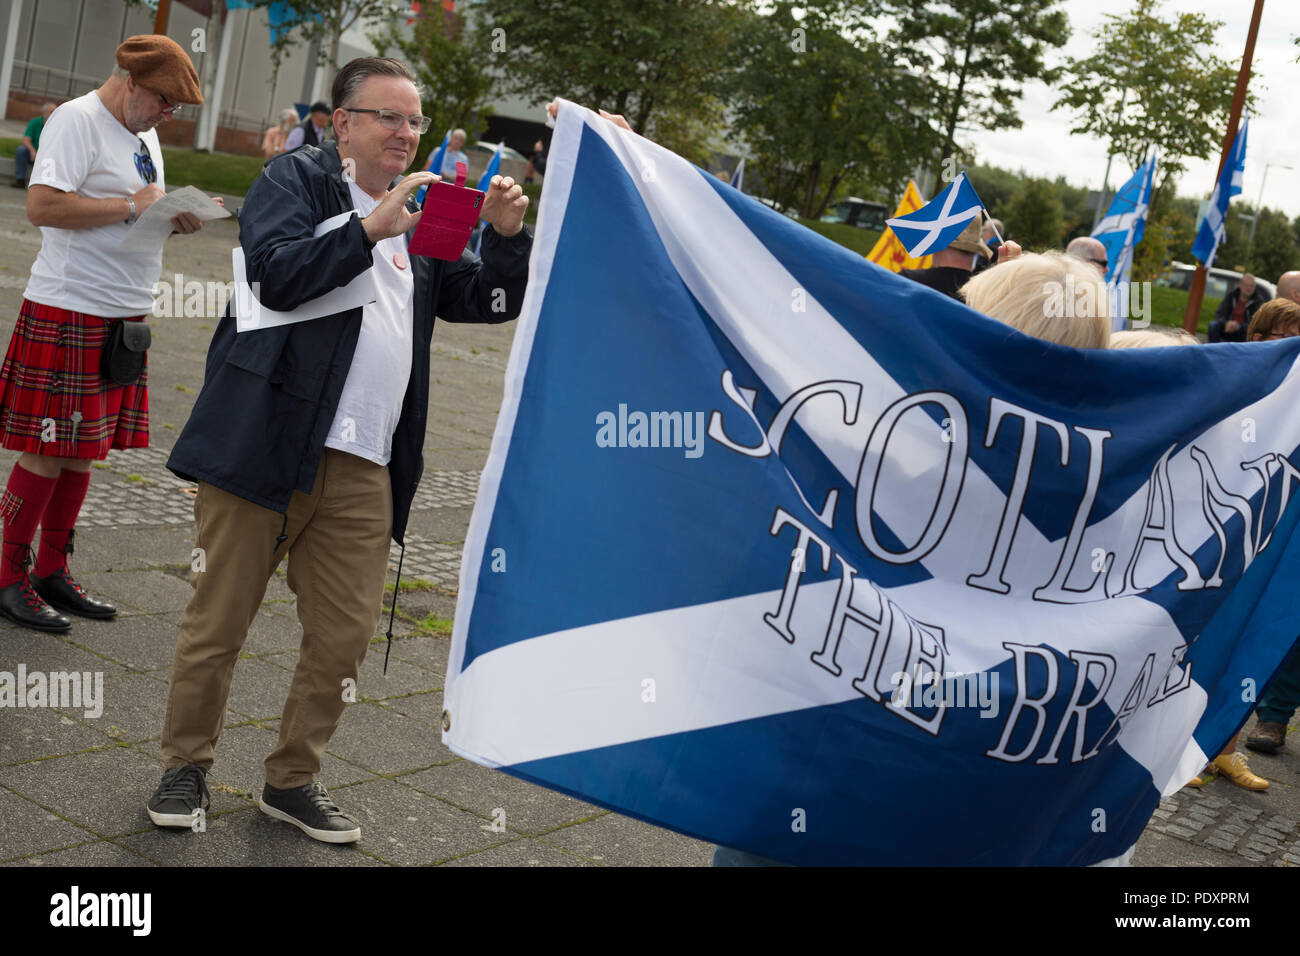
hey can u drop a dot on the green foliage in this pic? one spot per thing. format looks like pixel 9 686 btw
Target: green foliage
pixel 821 101
pixel 323 22
pixel 1274 250
pixel 995 186
pixel 850 237
pixel 1153 82
pixel 640 58
pixel 455 80
pixel 1168 306
pixel 1035 217
pixel 982 53
pixel 211 172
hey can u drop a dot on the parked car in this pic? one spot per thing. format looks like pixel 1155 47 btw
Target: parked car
pixel 773 204
pixel 1178 275
pixel 483 146
pixel 857 212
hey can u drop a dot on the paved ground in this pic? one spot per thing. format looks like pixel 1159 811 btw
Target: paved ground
pixel 73 788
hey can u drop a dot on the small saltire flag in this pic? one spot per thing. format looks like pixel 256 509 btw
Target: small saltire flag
pixel 1120 230
pixel 891 253
pixel 936 224
pixel 281 16
pixel 484 181
pixel 738 177
pixel 854 574
pixel 434 164
pixel 1212 228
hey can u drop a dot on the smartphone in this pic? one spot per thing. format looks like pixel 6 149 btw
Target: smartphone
pixel 450 214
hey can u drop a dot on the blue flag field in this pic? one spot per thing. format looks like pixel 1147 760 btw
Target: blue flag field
pixel 786 552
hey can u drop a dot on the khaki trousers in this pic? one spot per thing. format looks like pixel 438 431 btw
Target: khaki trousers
pixel 338 556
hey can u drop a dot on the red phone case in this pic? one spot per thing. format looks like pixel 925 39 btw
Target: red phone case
pixel 451 210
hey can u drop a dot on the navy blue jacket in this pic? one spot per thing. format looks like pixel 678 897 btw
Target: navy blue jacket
pixel 269 396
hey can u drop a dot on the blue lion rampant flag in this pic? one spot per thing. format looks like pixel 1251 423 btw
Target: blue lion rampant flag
pixel 782 551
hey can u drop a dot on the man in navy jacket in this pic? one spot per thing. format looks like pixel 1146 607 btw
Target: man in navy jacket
pixel 306 438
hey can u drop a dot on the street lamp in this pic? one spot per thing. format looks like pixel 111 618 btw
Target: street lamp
pixel 1250 243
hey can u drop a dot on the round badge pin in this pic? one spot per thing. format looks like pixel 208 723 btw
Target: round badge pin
pixel 399 260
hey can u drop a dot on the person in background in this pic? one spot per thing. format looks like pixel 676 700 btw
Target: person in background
pixel 1236 310
pixel 1017 293
pixel 1089 250
pixel 952 267
pixel 100 168
pixel 25 154
pixel 276 137
pixel 1154 337
pixel 313 129
pixel 537 163
pixel 455 154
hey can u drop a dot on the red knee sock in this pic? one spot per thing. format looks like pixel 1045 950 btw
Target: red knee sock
pixel 24 501
pixel 59 519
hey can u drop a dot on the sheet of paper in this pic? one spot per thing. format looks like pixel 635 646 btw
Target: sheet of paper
pixel 155 225
pixel 250 314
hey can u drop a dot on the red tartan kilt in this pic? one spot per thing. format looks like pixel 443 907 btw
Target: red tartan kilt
pixel 51 371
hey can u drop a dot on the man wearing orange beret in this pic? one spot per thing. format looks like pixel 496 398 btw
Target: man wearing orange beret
pixel 100 167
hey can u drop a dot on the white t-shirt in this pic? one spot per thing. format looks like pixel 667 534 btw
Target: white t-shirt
pixel 85 150
pixel 371 402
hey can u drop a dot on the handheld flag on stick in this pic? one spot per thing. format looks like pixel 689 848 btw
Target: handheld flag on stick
pixel 738 177
pixel 1212 228
pixel 484 182
pixel 1120 230
pixel 812 545
pixel 434 165
pixel 936 224
pixel 891 253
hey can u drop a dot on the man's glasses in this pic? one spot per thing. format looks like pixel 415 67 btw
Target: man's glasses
pixel 391 119
pixel 1101 263
pixel 144 165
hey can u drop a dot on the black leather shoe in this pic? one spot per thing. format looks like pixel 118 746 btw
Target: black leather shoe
pixel 60 591
pixel 311 810
pixel 22 605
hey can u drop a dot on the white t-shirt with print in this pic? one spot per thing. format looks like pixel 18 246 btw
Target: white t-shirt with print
pixel 85 150
pixel 371 402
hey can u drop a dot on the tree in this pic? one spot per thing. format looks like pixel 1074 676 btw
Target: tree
pixel 640 58
pixel 1034 217
pixel 982 52
pixel 822 101
pixel 1274 250
pixel 322 22
pixel 446 54
pixel 1153 82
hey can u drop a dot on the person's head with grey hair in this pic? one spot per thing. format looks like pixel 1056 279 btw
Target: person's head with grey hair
pixel 1089 250
pixel 457 140
pixel 288 118
pixel 992 227
pixel 347 84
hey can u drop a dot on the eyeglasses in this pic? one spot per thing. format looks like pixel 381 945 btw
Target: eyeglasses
pixel 391 119
pixel 144 164
pixel 167 105
pixel 1104 264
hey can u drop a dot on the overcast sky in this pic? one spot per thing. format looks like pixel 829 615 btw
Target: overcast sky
pixel 1044 146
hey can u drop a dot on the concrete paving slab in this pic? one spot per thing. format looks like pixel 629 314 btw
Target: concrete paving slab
pixel 616 840
pixel 404 826
pixel 26 828
pixel 275 630
pixel 47 653
pixel 491 794
pixel 137 642
pixel 241 752
pixel 104 791
pixel 427 652
pixel 402 677
pixel 425 708
pixel 386 742
pixel 259 686
pixel 523 852
pixel 141 592
pixel 246 838
pixel 133 708
pixel 28 734
pixel 100 854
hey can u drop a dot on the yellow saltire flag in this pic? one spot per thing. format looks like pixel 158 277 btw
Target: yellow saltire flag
pixel 891 253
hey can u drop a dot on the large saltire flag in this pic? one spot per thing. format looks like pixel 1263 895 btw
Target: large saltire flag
pixel 1212 227
pixel 891 253
pixel 749 494
pixel 1120 230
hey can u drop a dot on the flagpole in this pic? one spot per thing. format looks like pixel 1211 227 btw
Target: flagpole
pixel 1197 293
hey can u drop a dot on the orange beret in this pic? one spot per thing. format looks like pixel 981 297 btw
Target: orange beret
pixel 158 63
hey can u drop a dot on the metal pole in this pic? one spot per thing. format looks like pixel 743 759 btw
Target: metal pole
pixel 7 57
pixel 1250 243
pixel 160 18
pixel 1197 293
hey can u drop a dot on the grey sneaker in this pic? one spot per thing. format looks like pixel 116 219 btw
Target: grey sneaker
pixel 311 810
pixel 180 796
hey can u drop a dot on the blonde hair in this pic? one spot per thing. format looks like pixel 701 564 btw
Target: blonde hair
pixel 1050 296
pixel 1150 338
